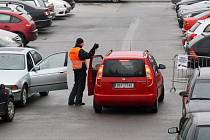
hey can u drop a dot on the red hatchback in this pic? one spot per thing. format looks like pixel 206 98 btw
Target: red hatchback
pixel 190 21
pixel 19 23
pixel 125 78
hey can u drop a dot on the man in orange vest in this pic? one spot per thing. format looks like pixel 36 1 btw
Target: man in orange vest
pixel 78 58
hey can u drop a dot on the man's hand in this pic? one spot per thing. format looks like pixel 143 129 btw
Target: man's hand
pixel 95 46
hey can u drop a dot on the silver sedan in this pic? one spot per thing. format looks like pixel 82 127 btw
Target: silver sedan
pixel 25 72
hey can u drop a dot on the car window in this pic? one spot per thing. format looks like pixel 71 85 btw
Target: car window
pixel 4 18
pixel 5 8
pixel 96 62
pixel 15 20
pixel 12 62
pixel 20 9
pixel 153 64
pixel 202 47
pixel 207 29
pixel 203 133
pixel 31 2
pixel 30 64
pixel 124 68
pixel 36 57
pixel 195 26
pixel 185 129
pixel 54 61
pixel 201 89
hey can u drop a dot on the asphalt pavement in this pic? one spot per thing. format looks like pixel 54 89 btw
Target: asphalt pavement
pixel 122 26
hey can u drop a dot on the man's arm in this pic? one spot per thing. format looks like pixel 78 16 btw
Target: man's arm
pixel 85 55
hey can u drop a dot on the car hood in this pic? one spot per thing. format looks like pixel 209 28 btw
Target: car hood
pixel 198 106
pixel 11 77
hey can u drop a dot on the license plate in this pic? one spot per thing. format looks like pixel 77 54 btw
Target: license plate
pixel 123 85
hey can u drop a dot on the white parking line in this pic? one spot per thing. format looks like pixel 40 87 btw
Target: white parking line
pixel 126 44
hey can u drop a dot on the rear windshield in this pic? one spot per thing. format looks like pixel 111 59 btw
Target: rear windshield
pixel 195 26
pixel 203 133
pixel 201 90
pixel 124 68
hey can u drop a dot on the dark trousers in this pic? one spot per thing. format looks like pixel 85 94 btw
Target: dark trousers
pixel 79 87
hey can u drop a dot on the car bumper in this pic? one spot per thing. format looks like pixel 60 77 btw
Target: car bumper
pixel 62 12
pixel 43 23
pixel 33 35
pixel 16 94
pixel 125 100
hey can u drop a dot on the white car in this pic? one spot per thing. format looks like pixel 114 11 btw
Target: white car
pixel 25 72
pixel 62 8
pixel 9 39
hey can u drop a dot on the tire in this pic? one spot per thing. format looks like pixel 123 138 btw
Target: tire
pixel 97 108
pixel 23 39
pixel 154 108
pixel 161 98
pixel 10 111
pixel 44 93
pixel 24 96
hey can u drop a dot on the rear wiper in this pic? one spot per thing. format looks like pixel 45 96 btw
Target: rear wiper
pixel 200 99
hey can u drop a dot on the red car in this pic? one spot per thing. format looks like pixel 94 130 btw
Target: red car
pixel 19 23
pixel 125 78
pixel 190 21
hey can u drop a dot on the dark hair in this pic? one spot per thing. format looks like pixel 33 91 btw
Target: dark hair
pixel 79 41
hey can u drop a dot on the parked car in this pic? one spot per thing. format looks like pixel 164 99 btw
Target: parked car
pixel 19 23
pixel 72 3
pixel 194 6
pixel 30 73
pixel 41 16
pixel 51 8
pixel 186 2
pixel 202 26
pixel 196 97
pixel 13 8
pixel 195 127
pixel 7 108
pixel 189 22
pixel 10 39
pixel 41 3
pixel 125 78
pixel 61 7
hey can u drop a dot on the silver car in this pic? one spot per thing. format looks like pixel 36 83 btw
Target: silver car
pixel 25 72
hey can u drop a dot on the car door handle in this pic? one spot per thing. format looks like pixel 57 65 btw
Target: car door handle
pixel 61 72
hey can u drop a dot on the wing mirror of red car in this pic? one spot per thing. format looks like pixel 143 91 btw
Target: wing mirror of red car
pixel 184 94
pixel 161 66
pixel 173 130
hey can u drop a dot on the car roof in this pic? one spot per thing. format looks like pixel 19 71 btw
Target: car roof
pixel 126 55
pixel 15 50
pixel 201 118
pixel 198 106
pixel 10 12
pixel 204 73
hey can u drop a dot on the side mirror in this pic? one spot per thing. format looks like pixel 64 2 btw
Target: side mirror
pixel 183 94
pixel 161 66
pixel 173 130
pixel 36 68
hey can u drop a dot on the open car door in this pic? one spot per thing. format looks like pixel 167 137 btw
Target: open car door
pixel 50 74
pixel 94 64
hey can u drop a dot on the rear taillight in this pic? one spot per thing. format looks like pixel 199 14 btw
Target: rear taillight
pixel 28 25
pixel 149 76
pixel 99 75
pixel 192 36
pixel 192 54
pixel 46 13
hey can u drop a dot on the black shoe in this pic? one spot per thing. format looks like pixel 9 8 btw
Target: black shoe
pixel 79 104
pixel 71 103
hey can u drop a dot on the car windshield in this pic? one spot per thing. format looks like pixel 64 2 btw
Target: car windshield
pixel 202 14
pixel 195 26
pixel 203 133
pixel 20 9
pixel 12 62
pixel 124 68
pixel 201 90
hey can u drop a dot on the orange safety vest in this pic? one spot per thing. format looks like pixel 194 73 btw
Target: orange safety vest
pixel 74 57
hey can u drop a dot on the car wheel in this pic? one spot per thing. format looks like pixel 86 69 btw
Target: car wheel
pixel 10 111
pixel 44 93
pixel 97 108
pixel 24 94
pixel 161 98
pixel 23 39
pixel 154 108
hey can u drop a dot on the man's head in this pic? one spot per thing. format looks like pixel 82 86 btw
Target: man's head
pixel 80 42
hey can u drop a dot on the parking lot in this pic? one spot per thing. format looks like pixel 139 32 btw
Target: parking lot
pixel 122 26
